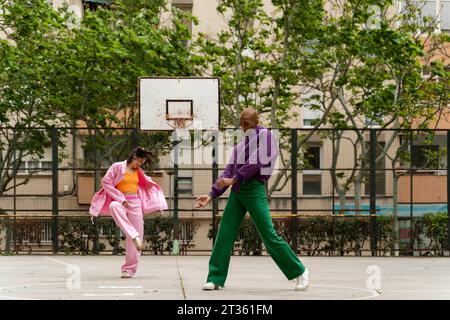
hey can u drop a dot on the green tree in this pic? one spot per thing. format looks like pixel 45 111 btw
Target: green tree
pixel 256 56
pixel 375 72
pixel 28 50
pixel 104 57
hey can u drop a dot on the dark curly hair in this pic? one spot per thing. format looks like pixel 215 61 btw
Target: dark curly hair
pixel 138 152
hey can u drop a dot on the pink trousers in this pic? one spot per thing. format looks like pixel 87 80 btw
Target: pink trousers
pixel 131 221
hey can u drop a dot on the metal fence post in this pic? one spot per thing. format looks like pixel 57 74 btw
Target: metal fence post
pixel 134 138
pixel 55 208
pixel 411 197
pixel 333 204
pixel 373 192
pixel 176 233
pixel 96 187
pixel 448 193
pixel 215 176
pixel 294 195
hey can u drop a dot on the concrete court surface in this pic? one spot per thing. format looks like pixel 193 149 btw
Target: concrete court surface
pixel 55 277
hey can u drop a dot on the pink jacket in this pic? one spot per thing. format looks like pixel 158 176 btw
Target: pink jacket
pixel 150 193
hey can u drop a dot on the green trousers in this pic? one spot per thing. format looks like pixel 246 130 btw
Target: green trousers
pixel 252 198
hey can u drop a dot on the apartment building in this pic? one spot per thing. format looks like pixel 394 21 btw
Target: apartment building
pixel 316 194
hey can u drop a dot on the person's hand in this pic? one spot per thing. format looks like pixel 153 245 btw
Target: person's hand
pixel 225 182
pixel 203 200
pixel 125 204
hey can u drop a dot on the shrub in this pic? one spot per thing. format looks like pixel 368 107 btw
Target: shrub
pixel 432 227
pixel 75 235
pixel 158 233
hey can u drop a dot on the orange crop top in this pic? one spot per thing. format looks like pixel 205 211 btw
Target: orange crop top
pixel 129 183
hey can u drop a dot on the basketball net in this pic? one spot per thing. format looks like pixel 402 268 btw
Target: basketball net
pixel 179 123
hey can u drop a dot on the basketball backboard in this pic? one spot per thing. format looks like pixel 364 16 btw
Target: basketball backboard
pixel 168 103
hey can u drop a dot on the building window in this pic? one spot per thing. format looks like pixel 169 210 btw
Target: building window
pixel 380 172
pixel 373 122
pixel 312 157
pixel 437 10
pixel 41 231
pixel 185 185
pixel 95 4
pixel 47 231
pixel 445 15
pixel 311 103
pixel 185 7
pixel 310 123
pixel 33 167
pixel 187 230
pixel 312 176
pixel 424 156
pixel 312 184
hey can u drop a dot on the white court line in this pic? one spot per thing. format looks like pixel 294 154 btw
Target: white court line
pixel 373 292
pixel 108 294
pixel 90 290
pixel 120 287
pixel 14 298
pixel 59 261
pixel 419 291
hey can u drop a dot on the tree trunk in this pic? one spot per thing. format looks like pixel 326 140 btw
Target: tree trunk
pixel 8 238
pixel 342 202
pixel 357 192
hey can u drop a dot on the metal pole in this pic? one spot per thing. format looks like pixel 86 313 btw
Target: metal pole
pixel 373 192
pixel 96 187
pixel 96 166
pixel 411 196
pixel 11 229
pixel 294 195
pixel 333 172
pixel 176 243
pixel 55 208
pixel 448 192
pixel 215 176
pixel 134 138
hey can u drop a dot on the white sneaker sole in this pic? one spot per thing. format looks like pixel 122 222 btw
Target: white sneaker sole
pixel 210 288
pixel 302 288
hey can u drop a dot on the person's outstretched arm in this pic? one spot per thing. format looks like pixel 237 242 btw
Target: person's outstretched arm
pixel 216 189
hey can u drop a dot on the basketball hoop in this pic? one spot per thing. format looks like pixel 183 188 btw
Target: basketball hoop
pixel 167 104
pixel 179 123
pixel 179 113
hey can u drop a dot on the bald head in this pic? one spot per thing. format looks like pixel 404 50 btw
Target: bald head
pixel 249 119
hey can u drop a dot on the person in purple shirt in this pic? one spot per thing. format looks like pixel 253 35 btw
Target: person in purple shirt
pixel 248 170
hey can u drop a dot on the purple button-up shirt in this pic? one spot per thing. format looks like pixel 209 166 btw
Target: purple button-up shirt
pixel 253 158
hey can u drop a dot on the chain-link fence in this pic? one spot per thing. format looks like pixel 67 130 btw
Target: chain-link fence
pixel 333 192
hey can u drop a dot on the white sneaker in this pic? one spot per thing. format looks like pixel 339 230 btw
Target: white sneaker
pixel 303 281
pixel 138 243
pixel 125 275
pixel 211 286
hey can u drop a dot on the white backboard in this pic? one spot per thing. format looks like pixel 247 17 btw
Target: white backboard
pixel 196 98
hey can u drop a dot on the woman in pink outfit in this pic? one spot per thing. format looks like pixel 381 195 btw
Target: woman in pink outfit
pixel 126 195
